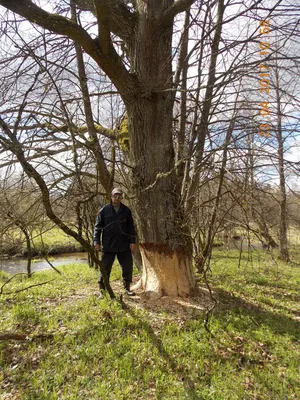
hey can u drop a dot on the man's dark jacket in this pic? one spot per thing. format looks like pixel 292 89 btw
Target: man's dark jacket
pixel 117 229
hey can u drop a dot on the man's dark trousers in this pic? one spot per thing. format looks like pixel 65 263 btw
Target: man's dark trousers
pixel 125 261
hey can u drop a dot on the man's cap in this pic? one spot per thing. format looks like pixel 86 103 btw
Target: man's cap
pixel 117 191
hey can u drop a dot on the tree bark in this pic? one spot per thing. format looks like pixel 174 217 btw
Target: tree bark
pixel 183 65
pixel 164 241
pixel 283 241
pixel 22 226
pixel 29 251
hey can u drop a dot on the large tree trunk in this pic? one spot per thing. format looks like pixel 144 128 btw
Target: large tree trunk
pixel 283 239
pixel 165 242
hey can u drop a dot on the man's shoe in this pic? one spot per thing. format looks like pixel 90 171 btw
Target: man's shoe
pixel 127 289
pixel 129 292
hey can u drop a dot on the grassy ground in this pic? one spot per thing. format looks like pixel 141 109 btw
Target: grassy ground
pixel 80 347
pixel 53 241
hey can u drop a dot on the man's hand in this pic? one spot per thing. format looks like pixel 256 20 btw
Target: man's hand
pixel 97 247
pixel 132 247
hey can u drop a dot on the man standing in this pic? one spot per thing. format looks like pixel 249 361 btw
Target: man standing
pixel 115 224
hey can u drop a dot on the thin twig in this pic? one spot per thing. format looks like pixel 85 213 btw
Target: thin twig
pixel 28 287
pixel 10 279
pixel 214 300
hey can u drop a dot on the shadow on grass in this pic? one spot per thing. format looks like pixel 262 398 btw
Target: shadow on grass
pixel 172 362
pixel 286 297
pixel 276 322
pixel 245 256
pixel 275 284
pixel 229 256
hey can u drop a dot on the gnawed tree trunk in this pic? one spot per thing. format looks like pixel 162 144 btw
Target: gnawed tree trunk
pixel 166 272
pixel 165 243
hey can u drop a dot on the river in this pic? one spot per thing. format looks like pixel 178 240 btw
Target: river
pixel 16 265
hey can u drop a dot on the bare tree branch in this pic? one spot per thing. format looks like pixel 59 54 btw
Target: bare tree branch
pixel 122 21
pixel 52 128
pixel 176 8
pixel 29 287
pixel 110 62
pixel 12 144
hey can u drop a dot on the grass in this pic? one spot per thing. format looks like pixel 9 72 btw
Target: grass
pixel 81 347
pixel 54 241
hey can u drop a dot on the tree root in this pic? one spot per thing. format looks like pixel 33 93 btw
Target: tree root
pixel 21 290
pixel 137 285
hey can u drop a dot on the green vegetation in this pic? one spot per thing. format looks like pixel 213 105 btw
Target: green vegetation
pixel 51 240
pixel 81 347
pixel 123 134
pixel 54 241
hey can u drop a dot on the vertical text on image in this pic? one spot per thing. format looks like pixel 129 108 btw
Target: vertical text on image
pixel 264 77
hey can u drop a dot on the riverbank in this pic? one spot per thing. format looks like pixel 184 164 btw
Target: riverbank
pixel 79 347
pixel 51 242
pixel 17 265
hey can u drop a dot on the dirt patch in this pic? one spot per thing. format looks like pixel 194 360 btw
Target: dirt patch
pixel 168 307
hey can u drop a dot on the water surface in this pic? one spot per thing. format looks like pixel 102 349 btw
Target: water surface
pixel 16 265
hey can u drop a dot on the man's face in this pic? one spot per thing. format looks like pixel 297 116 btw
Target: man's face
pixel 116 199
